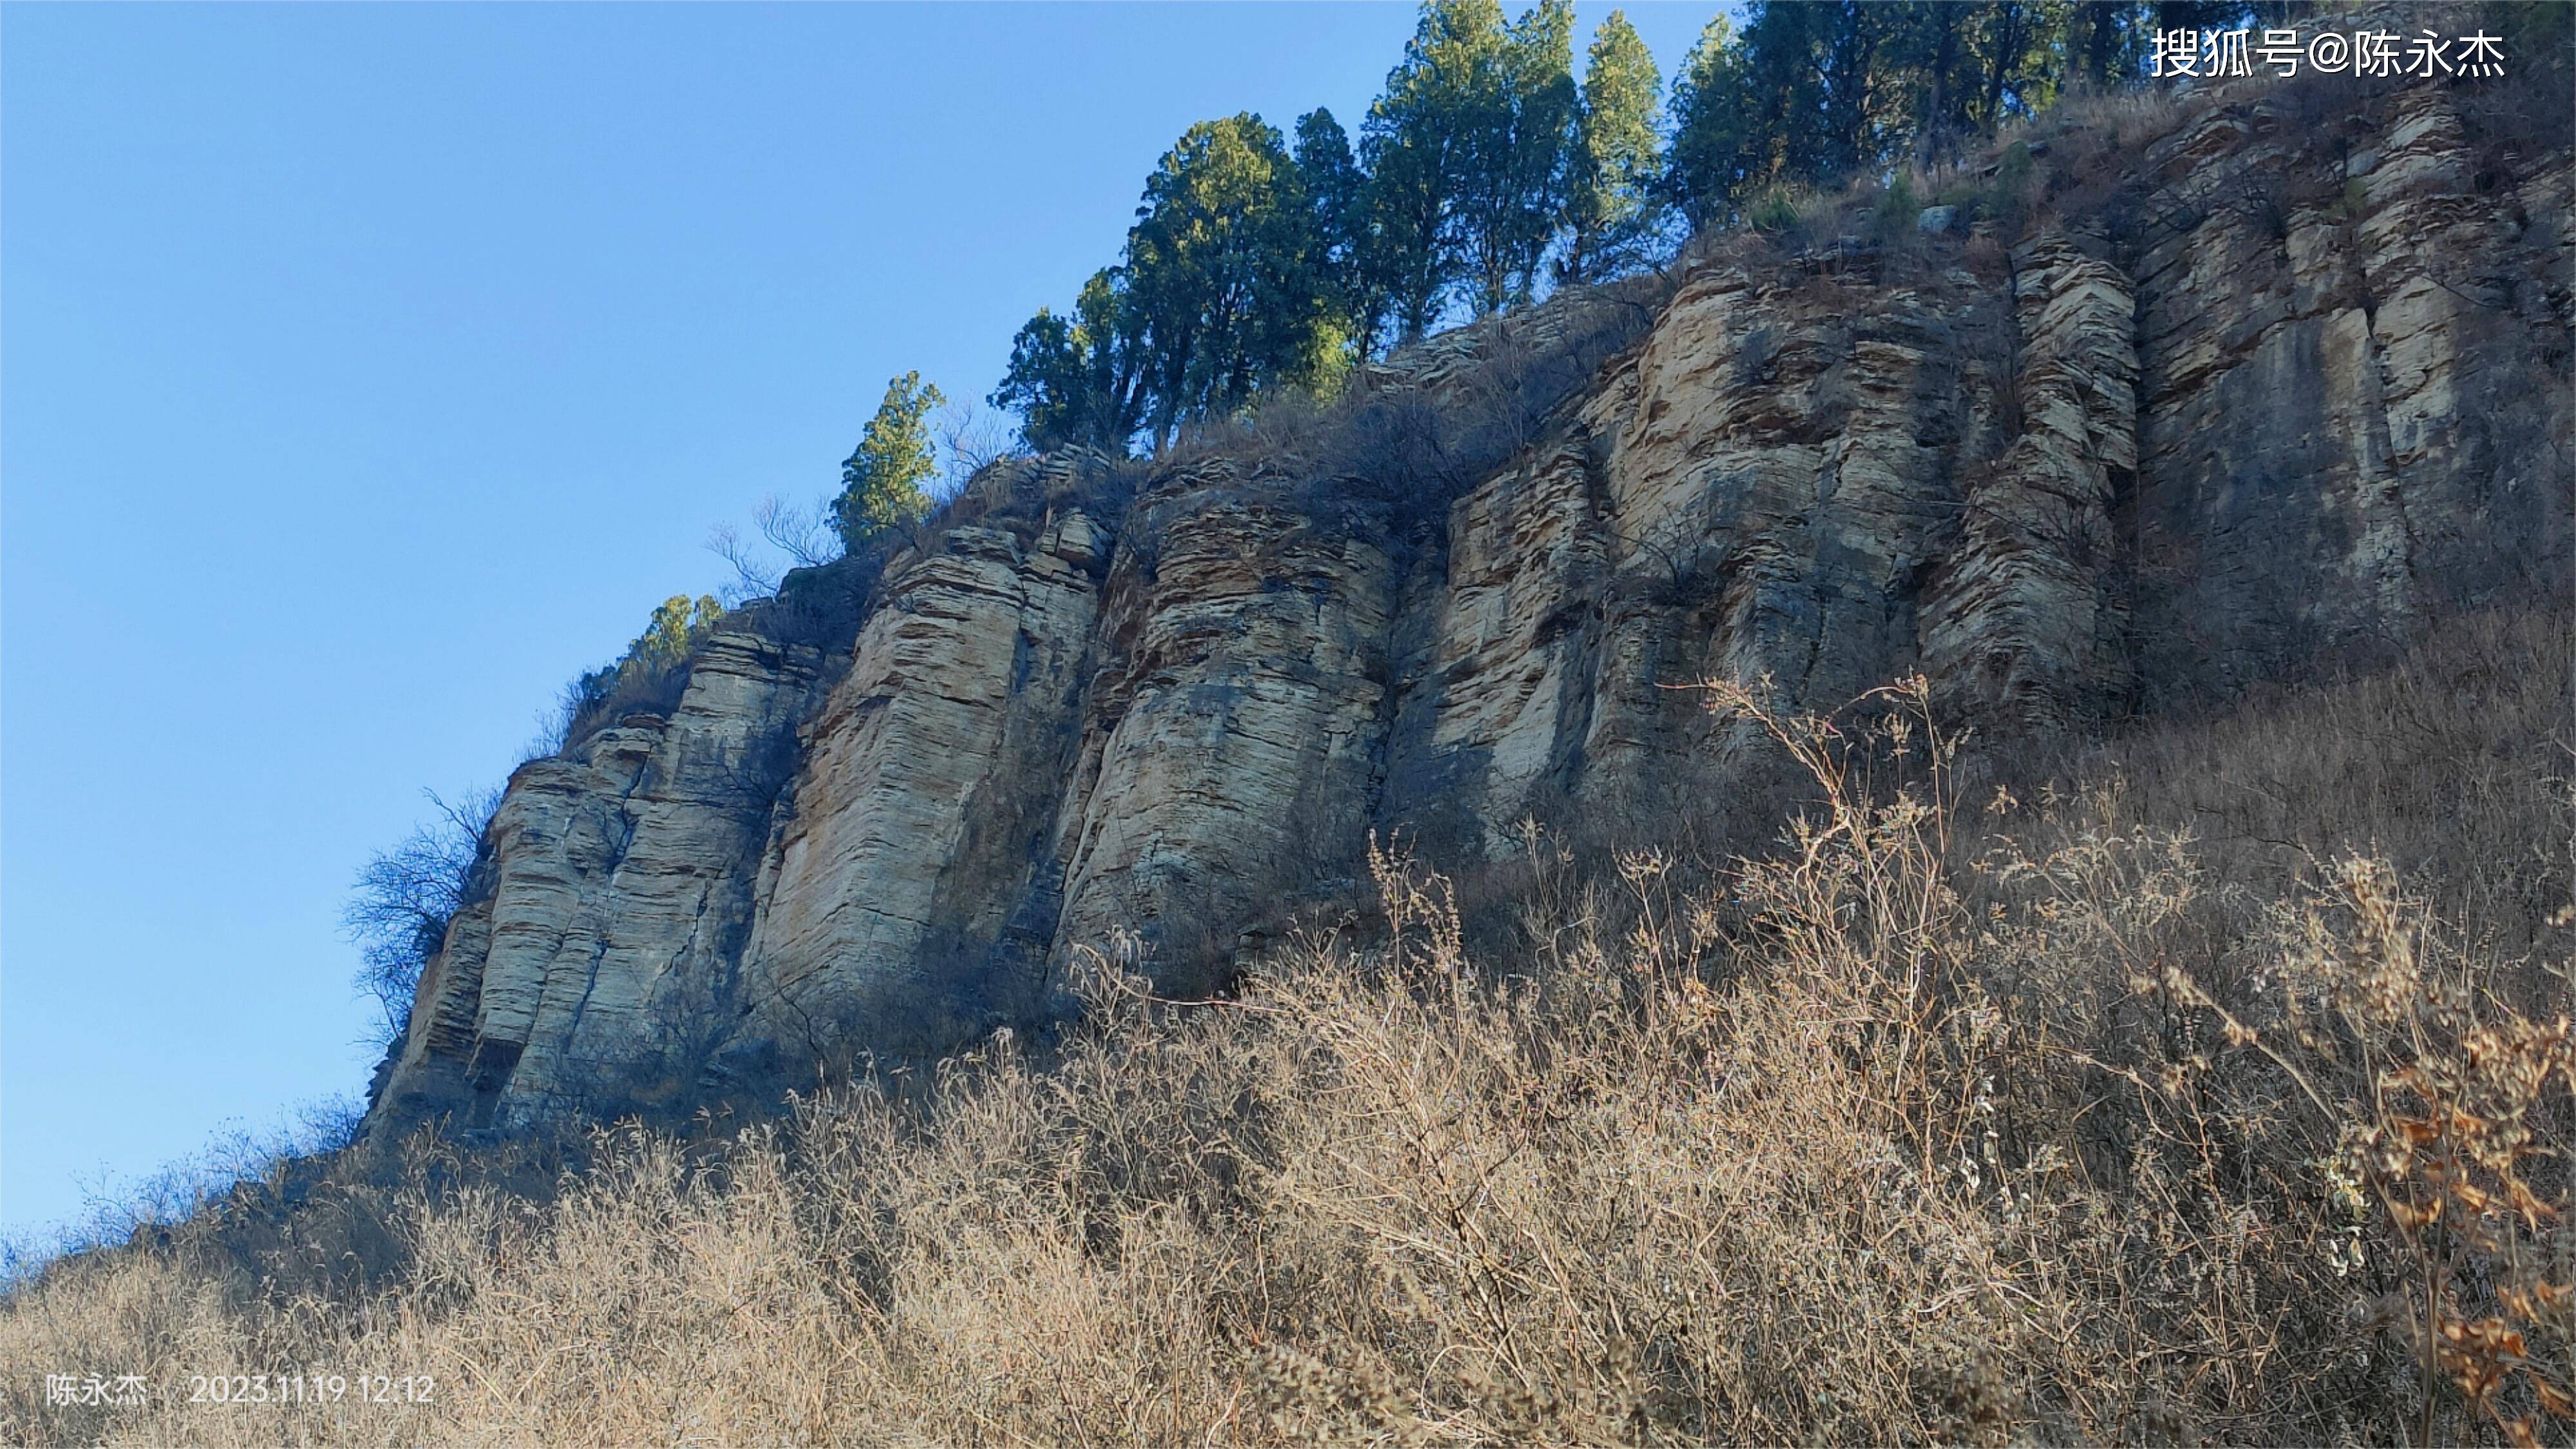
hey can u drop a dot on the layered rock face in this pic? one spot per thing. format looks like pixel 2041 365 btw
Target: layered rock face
pixel 2278 386
pixel 604 959
pixel 921 824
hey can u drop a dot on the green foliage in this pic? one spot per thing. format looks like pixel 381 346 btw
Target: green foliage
pixel 676 624
pixel 1418 153
pixel 1224 265
pixel 881 481
pixel 1467 155
pixel 1483 169
pixel 1775 210
pixel 1786 100
pixel 1519 126
pixel 1715 149
pixel 1237 280
pixel 1611 202
pixel 1080 380
pixel 1347 253
pixel 649 675
pixel 1814 92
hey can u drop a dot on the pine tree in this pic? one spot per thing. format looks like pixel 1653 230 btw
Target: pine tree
pixel 2106 40
pixel 1520 134
pixel 1347 254
pixel 2014 47
pixel 1417 148
pixel 1111 332
pixel 1717 152
pixel 1806 93
pixel 1610 200
pixel 1223 265
pixel 1080 380
pixel 1251 269
pixel 1044 382
pixel 881 481
pixel 676 624
pixel 1930 53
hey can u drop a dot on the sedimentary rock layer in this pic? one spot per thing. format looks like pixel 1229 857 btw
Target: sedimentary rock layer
pixel 2267 386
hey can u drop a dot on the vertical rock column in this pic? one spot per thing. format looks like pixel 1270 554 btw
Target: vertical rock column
pixel 2022 622
pixel 1232 735
pixel 599 968
pixel 921 814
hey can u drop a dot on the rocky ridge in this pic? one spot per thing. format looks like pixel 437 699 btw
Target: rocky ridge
pixel 2264 385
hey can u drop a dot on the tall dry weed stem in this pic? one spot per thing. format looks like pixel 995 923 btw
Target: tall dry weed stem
pixel 2443 1102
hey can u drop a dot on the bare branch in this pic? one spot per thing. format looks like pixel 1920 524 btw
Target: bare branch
pixel 806 536
pixel 405 896
pixel 971 440
pixel 752 579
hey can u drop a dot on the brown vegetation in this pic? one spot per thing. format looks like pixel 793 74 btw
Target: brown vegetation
pixel 2155 1106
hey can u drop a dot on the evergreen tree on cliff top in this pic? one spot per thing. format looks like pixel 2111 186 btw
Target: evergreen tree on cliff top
pixel 1250 268
pixel 1227 290
pixel 1717 147
pixel 1415 149
pixel 1466 156
pixel 1520 134
pixel 1080 379
pixel 881 482
pixel 1225 264
pixel 1610 201
pixel 1346 246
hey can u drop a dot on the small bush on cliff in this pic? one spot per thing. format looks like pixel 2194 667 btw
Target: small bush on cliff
pixel 648 678
pixel 1390 454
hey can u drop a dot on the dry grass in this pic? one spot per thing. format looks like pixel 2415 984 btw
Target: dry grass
pixel 1950 1120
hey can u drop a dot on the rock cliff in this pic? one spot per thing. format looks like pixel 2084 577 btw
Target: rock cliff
pixel 2251 380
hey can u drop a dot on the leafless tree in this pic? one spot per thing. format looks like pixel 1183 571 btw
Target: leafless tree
pixel 404 897
pixel 970 440
pixel 804 535
pixel 752 578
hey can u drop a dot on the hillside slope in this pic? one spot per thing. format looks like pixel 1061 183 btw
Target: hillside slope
pixel 1896 1138
pixel 1624 1036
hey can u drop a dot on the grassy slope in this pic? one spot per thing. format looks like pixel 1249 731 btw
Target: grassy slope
pixel 2087 1117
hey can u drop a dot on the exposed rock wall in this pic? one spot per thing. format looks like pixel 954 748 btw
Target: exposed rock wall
pixel 1232 732
pixel 923 811
pixel 2353 363
pixel 603 962
pixel 2278 385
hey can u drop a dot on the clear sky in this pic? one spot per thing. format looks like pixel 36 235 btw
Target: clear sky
pixel 366 372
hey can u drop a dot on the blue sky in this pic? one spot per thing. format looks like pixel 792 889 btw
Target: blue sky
pixel 368 371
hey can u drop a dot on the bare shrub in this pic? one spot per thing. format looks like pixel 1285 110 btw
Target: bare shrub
pixel 1411 434
pixel 179 1196
pixel 405 895
pixel 971 440
pixel 803 537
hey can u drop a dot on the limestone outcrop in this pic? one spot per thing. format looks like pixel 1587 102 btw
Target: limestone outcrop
pixel 923 810
pixel 604 957
pixel 2264 387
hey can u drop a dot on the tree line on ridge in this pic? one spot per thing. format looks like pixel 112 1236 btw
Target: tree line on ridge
pixel 1487 173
